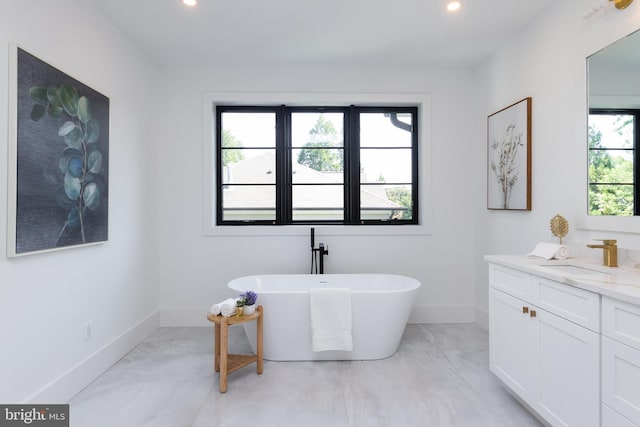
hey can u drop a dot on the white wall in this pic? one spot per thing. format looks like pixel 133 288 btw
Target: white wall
pixel 194 269
pixel 45 299
pixel 547 62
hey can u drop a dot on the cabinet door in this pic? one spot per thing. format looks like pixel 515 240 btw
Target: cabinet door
pixel 621 378
pixel 568 372
pixel 512 343
pixel 611 418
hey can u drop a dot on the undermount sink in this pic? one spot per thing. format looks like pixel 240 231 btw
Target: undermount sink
pixel 571 269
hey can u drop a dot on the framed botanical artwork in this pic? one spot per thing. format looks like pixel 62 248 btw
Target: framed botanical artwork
pixel 509 157
pixel 58 159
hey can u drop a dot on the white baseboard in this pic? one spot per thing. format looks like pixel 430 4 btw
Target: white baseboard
pixel 442 314
pixel 184 317
pixel 482 318
pixel 67 385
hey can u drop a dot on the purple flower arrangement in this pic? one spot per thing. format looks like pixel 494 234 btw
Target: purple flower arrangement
pixel 248 298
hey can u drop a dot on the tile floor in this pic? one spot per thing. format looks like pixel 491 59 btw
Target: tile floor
pixel 438 377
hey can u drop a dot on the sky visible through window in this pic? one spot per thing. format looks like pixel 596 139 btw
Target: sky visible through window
pixel 608 125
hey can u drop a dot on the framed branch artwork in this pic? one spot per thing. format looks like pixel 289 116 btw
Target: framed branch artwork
pixel 509 157
pixel 58 159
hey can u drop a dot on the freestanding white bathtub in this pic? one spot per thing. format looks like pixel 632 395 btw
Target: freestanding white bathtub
pixel 380 307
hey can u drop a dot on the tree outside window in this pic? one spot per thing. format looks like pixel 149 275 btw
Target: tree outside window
pixel 612 156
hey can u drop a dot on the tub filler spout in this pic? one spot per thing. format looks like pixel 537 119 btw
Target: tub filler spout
pixel 317 263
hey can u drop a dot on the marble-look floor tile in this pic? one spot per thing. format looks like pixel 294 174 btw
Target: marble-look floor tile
pixel 438 377
pixel 164 381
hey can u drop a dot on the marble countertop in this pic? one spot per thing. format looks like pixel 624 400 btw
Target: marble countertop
pixel 622 283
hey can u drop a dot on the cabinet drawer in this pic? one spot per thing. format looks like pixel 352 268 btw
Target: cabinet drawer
pixel 621 321
pixel 574 304
pixel 621 378
pixel 511 281
pixel 611 418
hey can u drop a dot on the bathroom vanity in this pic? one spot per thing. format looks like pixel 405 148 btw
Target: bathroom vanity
pixel 565 338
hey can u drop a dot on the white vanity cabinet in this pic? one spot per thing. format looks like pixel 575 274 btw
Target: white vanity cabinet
pixel 545 345
pixel 620 363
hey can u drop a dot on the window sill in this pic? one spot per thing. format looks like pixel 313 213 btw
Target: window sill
pixel 330 230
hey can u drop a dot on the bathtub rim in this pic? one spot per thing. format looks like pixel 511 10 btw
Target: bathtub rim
pixel 415 283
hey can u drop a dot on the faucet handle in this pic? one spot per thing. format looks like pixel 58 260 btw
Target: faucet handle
pixel 607 241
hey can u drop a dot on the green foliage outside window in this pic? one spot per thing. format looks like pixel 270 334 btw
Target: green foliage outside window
pixel 322 135
pixel 611 172
pixel 401 196
pixel 230 154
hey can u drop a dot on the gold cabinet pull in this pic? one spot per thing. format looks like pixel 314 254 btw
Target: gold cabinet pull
pixel 525 310
pixel 532 313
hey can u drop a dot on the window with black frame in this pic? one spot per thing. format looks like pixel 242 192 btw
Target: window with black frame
pixel 613 162
pixel 316 165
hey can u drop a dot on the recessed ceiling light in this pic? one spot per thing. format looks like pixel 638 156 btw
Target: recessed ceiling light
pixel 452 6
pixel 190 2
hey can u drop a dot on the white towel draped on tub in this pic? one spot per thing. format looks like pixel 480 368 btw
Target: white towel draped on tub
pixel 331 319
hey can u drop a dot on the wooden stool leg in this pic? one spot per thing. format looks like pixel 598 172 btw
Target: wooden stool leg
pixel 216 353
pixel 224 342
pixel 259 344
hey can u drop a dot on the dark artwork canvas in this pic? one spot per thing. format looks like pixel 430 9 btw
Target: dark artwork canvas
pixel 62 152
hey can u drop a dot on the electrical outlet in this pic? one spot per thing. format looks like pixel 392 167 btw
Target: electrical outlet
pixel 88 330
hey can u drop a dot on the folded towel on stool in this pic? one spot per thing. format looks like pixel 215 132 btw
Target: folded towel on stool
pixel 331 319
pixel 226 307
pixel 550 251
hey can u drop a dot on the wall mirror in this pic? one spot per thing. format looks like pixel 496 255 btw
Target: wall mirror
pixel 614 129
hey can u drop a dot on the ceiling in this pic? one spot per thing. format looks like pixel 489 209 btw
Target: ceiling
pixel 380 33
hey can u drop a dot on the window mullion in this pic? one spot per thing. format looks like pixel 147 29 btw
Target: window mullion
pixel 218 167
pixel 283 166
pixel 414 165
pixel 352 165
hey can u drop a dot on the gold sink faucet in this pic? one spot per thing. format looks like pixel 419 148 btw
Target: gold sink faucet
pixel 609 252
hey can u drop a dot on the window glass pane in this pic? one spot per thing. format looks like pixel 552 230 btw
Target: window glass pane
pixel 249 166
pixel 611 200
pixel 248 202
pixel 385 130
pixel 317 166
pixel 318 160
pixel 242 129
pixel 385 202
pixel 318 202
pixel 611 166
pixel 316 129
pixel 385 165
pixel 610 131
pixel 611 162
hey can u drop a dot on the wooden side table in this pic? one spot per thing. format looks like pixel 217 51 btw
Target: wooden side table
pixel 226 363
